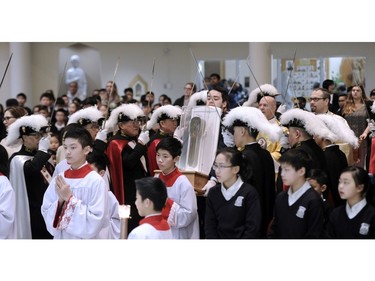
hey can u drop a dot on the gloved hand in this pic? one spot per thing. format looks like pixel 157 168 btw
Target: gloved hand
pixel 144 137
pixel 102 135
pixel 227 138
pixel 284 142
pixel 281 109
pixel 179 133
pixel 371 126
pixel 44 144
pixel 211 183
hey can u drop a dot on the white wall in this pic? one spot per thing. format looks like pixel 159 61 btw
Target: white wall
pixel 174 62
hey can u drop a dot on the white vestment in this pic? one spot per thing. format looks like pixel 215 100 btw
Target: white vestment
pixel 184 208
pixel 151 229
pixel 17 180
pixel 7 208
pixel 85 214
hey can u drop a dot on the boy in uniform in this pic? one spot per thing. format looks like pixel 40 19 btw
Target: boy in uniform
pixel 298 212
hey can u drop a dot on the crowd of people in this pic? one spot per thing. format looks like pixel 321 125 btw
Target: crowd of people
pixel 66 165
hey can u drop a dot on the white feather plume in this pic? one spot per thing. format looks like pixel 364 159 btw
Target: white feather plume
pixel 267 89
pixel 36 122
pixel 338 126
pixel 194 98
pixel 373 107
pixel 172 111
pixel 254 118
pixel 90 113
pixel 131 110
pixel 311 123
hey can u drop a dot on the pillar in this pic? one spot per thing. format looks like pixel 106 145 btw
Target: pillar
pixel 260 63
pixel 20 70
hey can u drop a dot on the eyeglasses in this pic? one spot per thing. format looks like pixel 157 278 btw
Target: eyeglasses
pixel 136 122
pixel 219 167
pixel 8 117
pixel 186 88
pixel 316 99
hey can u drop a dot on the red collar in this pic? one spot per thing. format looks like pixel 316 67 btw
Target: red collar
pixel 170 179
pixel 156 221
pixel 79 173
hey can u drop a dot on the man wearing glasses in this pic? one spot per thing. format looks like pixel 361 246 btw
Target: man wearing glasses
pixel 319 101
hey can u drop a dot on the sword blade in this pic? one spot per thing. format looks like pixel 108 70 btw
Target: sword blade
pixel 6 70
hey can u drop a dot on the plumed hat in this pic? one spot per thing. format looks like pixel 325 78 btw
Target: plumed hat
pixel 338 126
pixel 373 107
pixel 123 113
pixel 306 120
pixel 164 112
pixel 198 96
pixel 254 119
pixel 25 126
pixel 86 116
pixel 257 94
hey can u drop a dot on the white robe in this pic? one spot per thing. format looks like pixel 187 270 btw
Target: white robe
pixel 185 202
pixel 17 180
pixel 86 213
pixel 186 221
pixel 115 224
pixel 150 231
pixel 7 208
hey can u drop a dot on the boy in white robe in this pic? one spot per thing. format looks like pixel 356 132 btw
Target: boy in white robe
pixel 7 199
pixel 75 205
pixel 151 197
pixel 99 162
pixel 182 201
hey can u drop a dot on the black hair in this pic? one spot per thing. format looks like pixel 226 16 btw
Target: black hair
pixel 217 76
pixel 91 101
pixel 22 95
pixel 128 90
pixel 48 95
pixel 326 83
pixel 320 176
pixel 79 133
pixel 360 176
pixel 237 158
pixel 297 159
pixel 60 102
pixel 223 91
pixel 43 107
pixel 170 144
pixel 99 160
pixel 11 102
pixel 4 164
pixel 154 189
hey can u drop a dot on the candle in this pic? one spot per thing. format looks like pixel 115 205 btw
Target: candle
pixel 124 211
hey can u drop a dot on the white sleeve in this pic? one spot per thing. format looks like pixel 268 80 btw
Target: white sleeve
pixel 7 208
pixel 186 209
pixel 49 207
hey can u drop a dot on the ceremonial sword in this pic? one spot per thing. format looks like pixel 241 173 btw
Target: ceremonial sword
pixel 6 69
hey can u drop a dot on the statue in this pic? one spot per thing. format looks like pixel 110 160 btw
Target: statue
pixel 77 74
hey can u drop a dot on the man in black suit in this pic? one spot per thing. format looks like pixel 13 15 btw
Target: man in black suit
pixel 329 85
